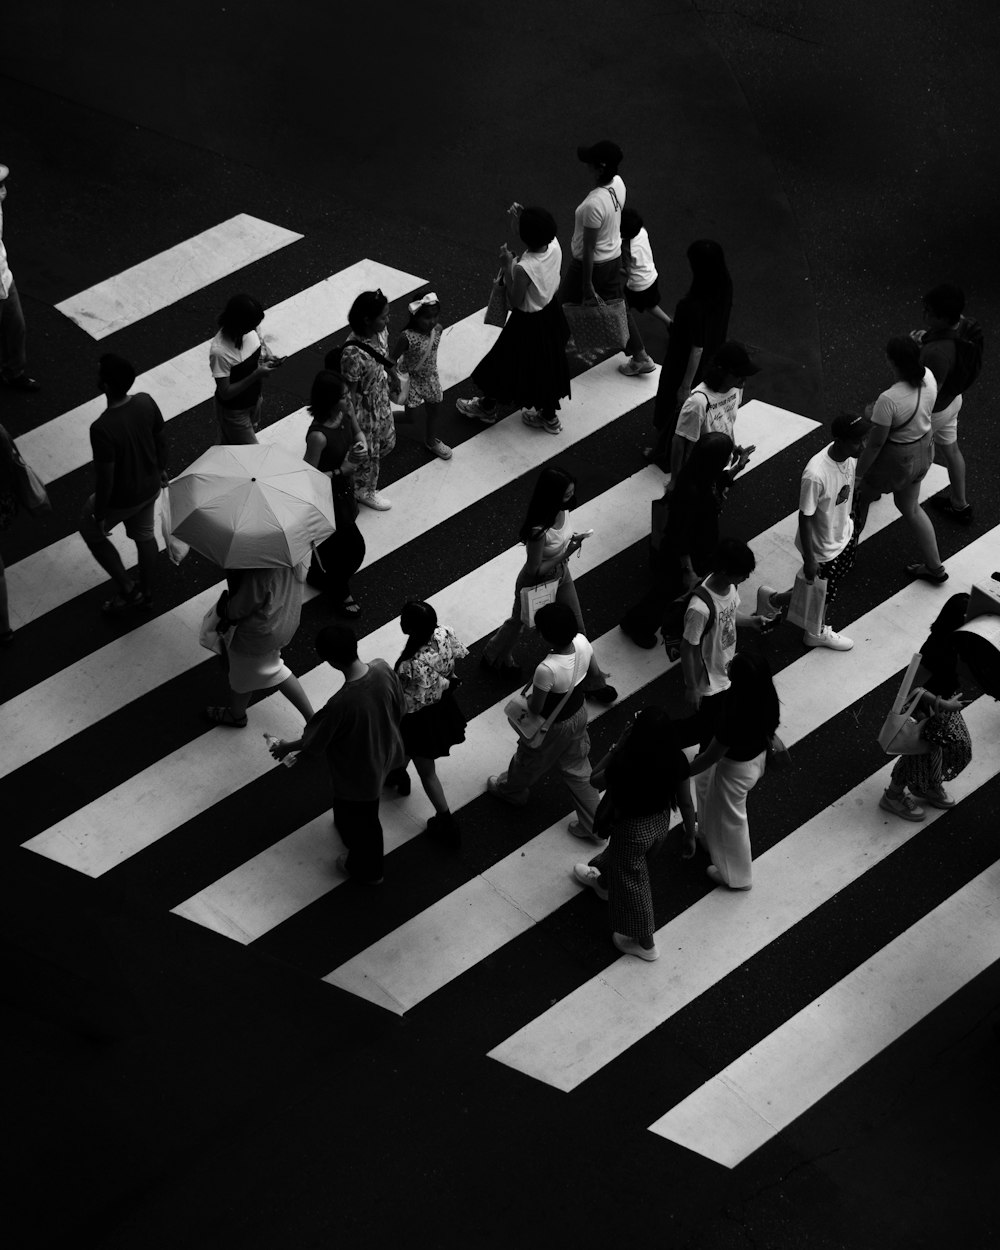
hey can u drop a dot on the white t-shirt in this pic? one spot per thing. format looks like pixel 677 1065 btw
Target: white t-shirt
pixel 709 412
pixel 559 673
pixel 825 495
pixel 543 270
pixel 6 277
pixel 718 645
pixel 641 270
pixel 224 356
pixel 894 406
pixel 601 210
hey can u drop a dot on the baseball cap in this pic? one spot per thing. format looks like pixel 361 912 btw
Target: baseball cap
pixel 733 357
pixel 604 152
pixel 849 426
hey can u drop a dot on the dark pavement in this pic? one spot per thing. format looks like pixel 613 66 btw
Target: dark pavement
pixel 166 1086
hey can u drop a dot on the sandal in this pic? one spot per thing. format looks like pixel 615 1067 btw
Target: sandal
pixel 350 606
pixel 126 603
pixel 936 577
pixel 224 716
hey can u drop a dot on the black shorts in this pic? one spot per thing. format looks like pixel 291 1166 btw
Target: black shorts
pixel 641 301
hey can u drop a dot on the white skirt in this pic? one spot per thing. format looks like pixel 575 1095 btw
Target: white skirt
pixel 256 672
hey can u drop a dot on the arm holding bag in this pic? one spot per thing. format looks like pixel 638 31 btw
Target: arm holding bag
pixel 900 733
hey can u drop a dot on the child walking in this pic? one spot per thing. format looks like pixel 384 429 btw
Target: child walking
pixel 642 290
pixel 415 353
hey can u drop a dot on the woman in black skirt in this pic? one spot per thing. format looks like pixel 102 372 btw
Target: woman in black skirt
pixel 433 722
pixel 526 366
pixel 336 446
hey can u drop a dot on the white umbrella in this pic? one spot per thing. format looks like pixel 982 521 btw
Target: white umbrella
pixel 251 506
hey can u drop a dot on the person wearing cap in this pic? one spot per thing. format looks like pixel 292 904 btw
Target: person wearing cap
pixel 712 406
pixel 596 268
pixel 13 358
pixel 826 536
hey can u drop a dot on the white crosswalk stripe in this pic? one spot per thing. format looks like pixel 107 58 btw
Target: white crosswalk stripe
pixel 591 1028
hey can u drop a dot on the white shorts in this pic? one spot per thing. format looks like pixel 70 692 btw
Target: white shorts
pixel 944 424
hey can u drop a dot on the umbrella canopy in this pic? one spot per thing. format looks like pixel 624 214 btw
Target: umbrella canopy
pixel 251 506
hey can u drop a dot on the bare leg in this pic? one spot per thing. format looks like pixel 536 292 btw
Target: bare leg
pixel 660 315
pixel 291 688
pixel 431 783
pixel 430 422
pixel 147 564
pixel 908 503
pixel 954 461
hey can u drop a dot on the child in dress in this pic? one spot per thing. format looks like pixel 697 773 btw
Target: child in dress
pixel 415 353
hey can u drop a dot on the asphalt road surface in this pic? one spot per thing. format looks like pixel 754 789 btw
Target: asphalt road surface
pixel 215 1040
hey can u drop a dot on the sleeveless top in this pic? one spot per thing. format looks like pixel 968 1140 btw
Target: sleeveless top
pixel 333 455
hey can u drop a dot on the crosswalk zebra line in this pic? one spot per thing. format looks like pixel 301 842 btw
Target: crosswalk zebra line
pixel 63 444
pixel 603 1017
pixel 104 832
pixel 171 275
pixel 295 871
pixel 760 1094
pixel 53 575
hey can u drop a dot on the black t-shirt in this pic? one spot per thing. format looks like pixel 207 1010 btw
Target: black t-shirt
pixel 698 322
pixel 639 788
pixel 744 737
pixel 693 524
pixel 128 437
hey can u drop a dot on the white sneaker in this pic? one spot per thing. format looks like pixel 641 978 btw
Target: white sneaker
pixel 439 449
pixel 827 638
pixel 628 947
pixel 587 875
pixel 577 830
pixel 372 499
pixel 764 605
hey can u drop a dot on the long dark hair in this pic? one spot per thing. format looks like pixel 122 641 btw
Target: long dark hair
pixel 241 314
pixel 546 501
pixel 751 700
pixel 418 621
pixel 905 355
pixel 643 775
pixel 328 389
pixel 709 276
pixel 939 652
pixel 707 463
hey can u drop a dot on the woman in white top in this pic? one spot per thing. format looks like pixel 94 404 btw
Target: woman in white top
pixel 900 450
pixel 549 542
pixel 527 366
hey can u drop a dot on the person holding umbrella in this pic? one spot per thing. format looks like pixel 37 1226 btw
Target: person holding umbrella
pixel 258 512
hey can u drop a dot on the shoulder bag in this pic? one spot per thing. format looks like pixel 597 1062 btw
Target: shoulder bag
pixel 900 733
pixel 399 383
pixel 531 727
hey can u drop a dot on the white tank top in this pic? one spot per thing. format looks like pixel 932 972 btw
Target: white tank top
pixel 556 540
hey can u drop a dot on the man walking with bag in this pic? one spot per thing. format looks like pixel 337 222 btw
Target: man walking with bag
pixel 826 534
pixel 557 694
pixel 13 360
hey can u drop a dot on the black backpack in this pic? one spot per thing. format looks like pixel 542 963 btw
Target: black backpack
pixel 969 343
pixel 672 628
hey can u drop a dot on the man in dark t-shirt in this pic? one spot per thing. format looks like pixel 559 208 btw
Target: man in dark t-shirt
pixel 358 733
pixel 130 467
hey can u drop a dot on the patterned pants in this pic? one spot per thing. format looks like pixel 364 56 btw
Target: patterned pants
pixel 835 570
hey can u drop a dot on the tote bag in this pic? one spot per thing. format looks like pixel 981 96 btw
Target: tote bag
pixel 598 329
pixel 808 606
pixel 499 305
pixel 900 732
pixel 531 727
pixel 535 597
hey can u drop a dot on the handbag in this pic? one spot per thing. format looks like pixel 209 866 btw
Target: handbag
pixel 900 733
pixel 176 549
pixel 30 490
pixel 598 329
pixel 659 510
pixel 535 597
pixel 499 305
pixel 808 604
pixel 216 632
pixel 531 727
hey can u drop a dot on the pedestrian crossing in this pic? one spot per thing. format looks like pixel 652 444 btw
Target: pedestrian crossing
pixel 433 946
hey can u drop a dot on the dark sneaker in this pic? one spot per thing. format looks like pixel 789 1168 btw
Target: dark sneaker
pixel 21 383
pixel 603 694
pixel 944 505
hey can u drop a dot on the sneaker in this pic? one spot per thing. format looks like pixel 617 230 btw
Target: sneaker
pixel 493 787
pixel 764 605
pixel 372 499
pixel 628 947
pixel 535 422
pixel 474 408
pixel 936 576
pixel 576 829
pixel 603 694
pixel 587 875
pixel 341 862
pixel 944 505
pixel 938 797
pixel 21 383
pixel 635 367
pixel 646 641
pixel 439 449
pixel 827 638
pixel 904 806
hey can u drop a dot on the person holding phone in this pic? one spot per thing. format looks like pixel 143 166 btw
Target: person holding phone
pixel 239 362
pixel 549 540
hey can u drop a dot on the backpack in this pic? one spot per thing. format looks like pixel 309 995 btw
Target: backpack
pixel 969 343
pixel 672 628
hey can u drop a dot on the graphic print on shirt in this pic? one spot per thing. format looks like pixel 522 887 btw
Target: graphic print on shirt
pixel 843 495
pixel 727 625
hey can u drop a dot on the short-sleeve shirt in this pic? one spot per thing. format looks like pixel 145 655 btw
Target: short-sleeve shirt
pixel 641 270
pixel 226 360
pixel 425 674
pixel 700 323
pixel 718 644
pixel 543 268
pixel 126 436
pixel 601 211
pixel 265 605
pixel 825 495
pixel 559 673
pixel 895 408
pixel 941 356
pixel 709 412
pixel 358 731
